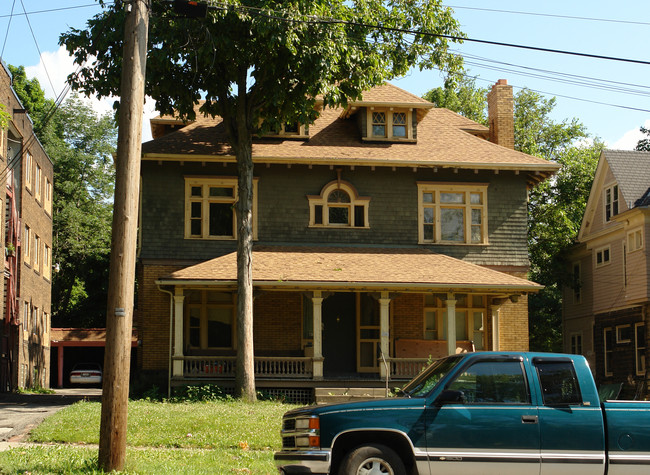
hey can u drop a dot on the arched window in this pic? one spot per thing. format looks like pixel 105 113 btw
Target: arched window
pixel 338 206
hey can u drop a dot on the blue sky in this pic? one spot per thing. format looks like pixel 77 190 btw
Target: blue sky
pixel 612 98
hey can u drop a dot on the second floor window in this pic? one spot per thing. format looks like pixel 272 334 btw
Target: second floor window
pixel 452 214
pixel 338 206
pixel 210 208
pixel 603 256
pixel 389 124
pixel 611 202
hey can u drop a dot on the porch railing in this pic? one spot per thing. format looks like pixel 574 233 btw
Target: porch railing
pixel 265 367
pixel 283 367
pixel 407 368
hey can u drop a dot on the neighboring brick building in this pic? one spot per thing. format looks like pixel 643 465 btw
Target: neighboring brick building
pixel 371 226
pixel 27 172
pixel 606 312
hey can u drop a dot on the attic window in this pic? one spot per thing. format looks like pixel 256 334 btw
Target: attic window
pixel 390 125
pixel 611 202
pixel 338 206
pixel 290 129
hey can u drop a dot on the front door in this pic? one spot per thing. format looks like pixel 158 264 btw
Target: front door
pixel 339 335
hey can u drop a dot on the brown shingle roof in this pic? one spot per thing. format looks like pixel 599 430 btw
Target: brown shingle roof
pixel 352 268
pixel 442 141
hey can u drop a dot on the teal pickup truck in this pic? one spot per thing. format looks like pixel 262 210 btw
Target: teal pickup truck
pixel 476 413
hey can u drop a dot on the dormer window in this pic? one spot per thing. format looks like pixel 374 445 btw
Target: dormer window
pixel 389 124
pixel 611 202
pixel 338 206
pixel 290 129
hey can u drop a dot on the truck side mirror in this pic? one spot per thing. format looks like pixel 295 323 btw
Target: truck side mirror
pixel 450 396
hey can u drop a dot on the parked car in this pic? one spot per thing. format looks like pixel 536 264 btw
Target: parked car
pixel 86 373
pixel 488 413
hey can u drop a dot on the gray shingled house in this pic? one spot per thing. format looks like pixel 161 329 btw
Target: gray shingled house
pixel 386 233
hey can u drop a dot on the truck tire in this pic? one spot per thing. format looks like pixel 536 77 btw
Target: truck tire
pixel 372 459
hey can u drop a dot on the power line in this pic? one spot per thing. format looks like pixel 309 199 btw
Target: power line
pixel 608 20
pixel 50 10
pixel 312 19
pixel 40 55
pixel 8 27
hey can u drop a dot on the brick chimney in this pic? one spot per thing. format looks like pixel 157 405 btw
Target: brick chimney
pixel 501 114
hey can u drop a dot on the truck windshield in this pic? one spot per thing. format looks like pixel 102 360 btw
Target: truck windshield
pixel 423 383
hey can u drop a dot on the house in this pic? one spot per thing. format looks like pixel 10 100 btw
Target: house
pixel 386 233
pixel 27 172
pixel 605 311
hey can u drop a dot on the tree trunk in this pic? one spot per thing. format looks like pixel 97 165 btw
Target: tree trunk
pixel 245 371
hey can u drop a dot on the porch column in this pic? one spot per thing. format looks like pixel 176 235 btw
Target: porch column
pixel 59 361
pixel 384 331
pixel 494 310
pixel 317 302
pixel 177 368
pixel 450 303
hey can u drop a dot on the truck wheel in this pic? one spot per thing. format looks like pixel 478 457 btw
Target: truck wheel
pixel 373 459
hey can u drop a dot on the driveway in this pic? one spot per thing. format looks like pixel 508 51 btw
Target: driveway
pixel 19 413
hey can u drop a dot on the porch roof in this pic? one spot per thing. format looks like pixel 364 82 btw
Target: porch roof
pixel 352 268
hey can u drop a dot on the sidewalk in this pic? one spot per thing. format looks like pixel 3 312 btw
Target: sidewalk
pixel 20 413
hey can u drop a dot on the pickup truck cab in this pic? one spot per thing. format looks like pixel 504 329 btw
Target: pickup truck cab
pixel 478 413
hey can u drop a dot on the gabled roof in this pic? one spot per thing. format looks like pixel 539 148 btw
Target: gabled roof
pixel 632 172
pixel 444 139
pixel 352 268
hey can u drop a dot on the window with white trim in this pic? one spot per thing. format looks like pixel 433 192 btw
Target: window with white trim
pixel 28 170
pixel 452 214
pixel 210 319
pixel 608 345
pixel 26 245
pixel 577 283
pixel 389 124
pixel 47 192
pixel 470 318
pixel 338 206
pixel 611 202
pixel 623 333
pixel 47 262
pixel 576 343
pixel 37 253
pixel 37 182
pixel 603 256
pixel 210 208
pixel 635 240
pixel 639 347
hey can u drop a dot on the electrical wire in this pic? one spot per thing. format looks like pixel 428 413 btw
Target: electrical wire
pixel 40 55
pixel 8 28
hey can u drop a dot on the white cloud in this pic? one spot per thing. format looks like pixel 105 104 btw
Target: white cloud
pixel 52 72
pixel 630 138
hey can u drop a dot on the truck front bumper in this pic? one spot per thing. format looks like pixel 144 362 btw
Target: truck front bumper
pixel 296 461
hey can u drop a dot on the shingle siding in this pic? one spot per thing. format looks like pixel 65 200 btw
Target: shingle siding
pixel 283 210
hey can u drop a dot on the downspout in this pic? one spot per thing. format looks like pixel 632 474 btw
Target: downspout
pixel 171 323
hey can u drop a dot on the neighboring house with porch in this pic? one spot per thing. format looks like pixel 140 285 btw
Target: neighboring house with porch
pixel 27 174
pixel 386 233
pixel 605 311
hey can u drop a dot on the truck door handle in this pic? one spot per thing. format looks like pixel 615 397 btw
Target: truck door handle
pixel 529 419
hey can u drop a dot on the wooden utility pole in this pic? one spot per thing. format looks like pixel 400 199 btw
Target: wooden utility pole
pixel 119 317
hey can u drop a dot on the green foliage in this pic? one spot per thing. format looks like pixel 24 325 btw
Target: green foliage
pixel 461 96
pixel 205 393
pixel 81 145
pixel 643 145
pixel 5 117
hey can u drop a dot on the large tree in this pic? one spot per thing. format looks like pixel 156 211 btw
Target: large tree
pixel 80 144
pixel 258 64
pixel 555 206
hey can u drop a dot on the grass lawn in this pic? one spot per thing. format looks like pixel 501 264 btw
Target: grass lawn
pixel 224 437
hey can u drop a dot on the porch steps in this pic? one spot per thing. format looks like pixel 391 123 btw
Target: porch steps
pixel 334 395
